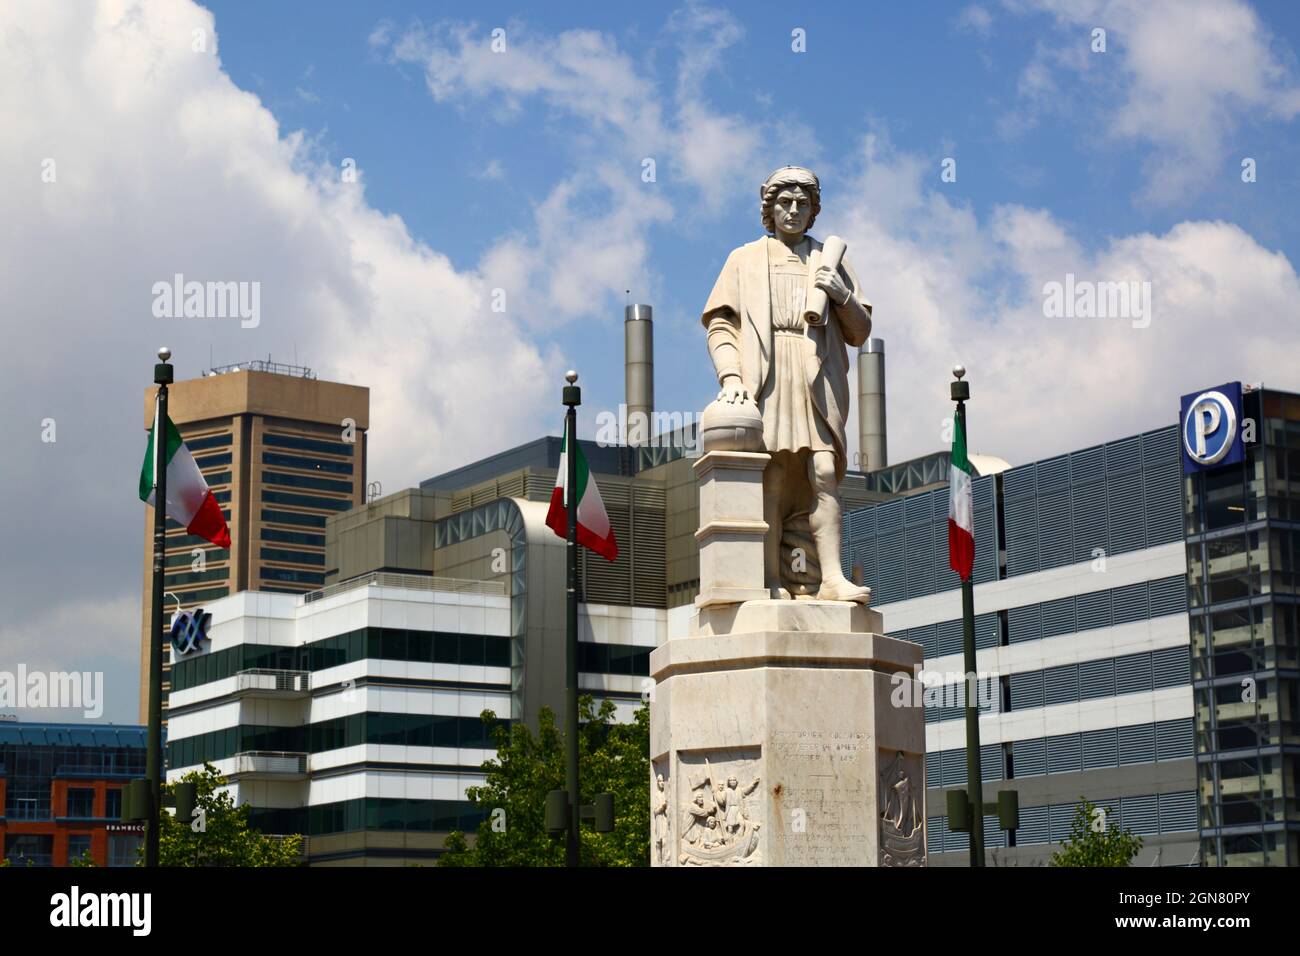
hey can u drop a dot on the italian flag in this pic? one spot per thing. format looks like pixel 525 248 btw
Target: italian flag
pixel 961 523
pixel 594 531
pixel 189 502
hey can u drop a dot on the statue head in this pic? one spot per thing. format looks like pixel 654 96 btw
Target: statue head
pixel 790 200
pixel 659 779
pixel 732 782
pixel 699 799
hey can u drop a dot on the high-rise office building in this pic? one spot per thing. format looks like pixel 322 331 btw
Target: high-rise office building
pixel 1243 567
pixel 281 451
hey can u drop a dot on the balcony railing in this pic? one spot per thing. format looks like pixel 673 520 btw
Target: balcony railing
pixel 279 683
pixel 302 851
pixel 416 582
pixel 270 765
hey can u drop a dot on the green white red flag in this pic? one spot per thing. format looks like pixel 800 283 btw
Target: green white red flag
pixel 594 531
pixel 961 522
pixel 189 502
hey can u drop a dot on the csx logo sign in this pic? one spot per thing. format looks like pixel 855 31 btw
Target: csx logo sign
pixel 188 629
pixel 1211 427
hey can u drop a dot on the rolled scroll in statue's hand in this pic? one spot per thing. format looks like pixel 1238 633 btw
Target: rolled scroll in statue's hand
pixel 817 303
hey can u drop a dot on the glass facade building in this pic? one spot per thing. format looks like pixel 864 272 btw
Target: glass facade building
pixel 60 789
pixel 1243 561
pixel 1081 630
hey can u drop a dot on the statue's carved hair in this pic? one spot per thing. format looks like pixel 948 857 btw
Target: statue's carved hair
pixel 782 178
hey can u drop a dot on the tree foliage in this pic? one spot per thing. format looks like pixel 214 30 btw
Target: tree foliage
pixel 224 836
pixel 612 758
pixel 1095 841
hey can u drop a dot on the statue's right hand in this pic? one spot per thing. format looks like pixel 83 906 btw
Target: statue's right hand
pixel 733 390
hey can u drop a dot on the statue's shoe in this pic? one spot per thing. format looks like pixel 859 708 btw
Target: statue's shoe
pixel 844 590
pixel 777 593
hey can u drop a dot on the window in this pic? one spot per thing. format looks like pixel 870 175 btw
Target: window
pixel 78 846
pixel 29 849
pixel 304 481
pixel 212 461
pixel 293 517
pixel 196 577
pixel 308 444
pixel 305 501
pixel 293 537
pixel 81 802
pixel 292 577
pixel 123 848
pixel 307 464
pixel 298 557
pixel 208 441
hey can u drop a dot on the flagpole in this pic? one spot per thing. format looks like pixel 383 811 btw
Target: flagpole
pixel 960 391
pixel 572 399
pixel 162 376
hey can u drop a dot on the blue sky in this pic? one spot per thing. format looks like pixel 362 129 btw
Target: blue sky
pixel 930 79
pixel 520 171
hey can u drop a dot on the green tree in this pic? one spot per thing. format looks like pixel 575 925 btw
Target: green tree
pixel 1095 841
pixel 86 859
pixel 612 758
pixel 223 836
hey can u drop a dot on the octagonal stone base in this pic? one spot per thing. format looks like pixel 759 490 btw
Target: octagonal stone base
pixel 774 734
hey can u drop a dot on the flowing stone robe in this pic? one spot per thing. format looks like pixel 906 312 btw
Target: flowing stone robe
pixel 742 341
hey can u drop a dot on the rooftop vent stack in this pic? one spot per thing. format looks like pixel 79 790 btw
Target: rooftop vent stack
pixel 639 372
pixel 871 405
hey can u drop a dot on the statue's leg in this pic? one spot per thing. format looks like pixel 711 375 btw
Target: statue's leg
pixel 773 504
pixel 825 521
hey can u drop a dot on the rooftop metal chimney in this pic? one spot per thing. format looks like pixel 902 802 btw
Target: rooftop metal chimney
pixel 639 372
pixel 871 405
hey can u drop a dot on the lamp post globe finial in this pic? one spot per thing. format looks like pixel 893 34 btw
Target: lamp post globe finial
pixel 959 372
pixel 164 354
pixel 571 376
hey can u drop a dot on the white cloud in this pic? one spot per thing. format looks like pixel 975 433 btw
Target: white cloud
pixel 950 288
pixel 975 19
pixel 1178 76
pixel 589 239
pixel 492 171
pixel 162 165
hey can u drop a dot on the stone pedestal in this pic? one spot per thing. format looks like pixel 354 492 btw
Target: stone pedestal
pixel 782 732
pixel 731 527
pixel 774 740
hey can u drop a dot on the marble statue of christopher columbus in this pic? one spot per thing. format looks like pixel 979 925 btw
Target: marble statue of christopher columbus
pixel 780 319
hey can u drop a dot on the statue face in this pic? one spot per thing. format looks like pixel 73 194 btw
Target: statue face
pixel 731 782
pixel 792 210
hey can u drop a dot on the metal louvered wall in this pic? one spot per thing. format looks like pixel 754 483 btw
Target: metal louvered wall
pixel 1146 815
pixel 637 577
pixel 1074 614
pixel 902 545
pixel 1118 497
pixel 1070 683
